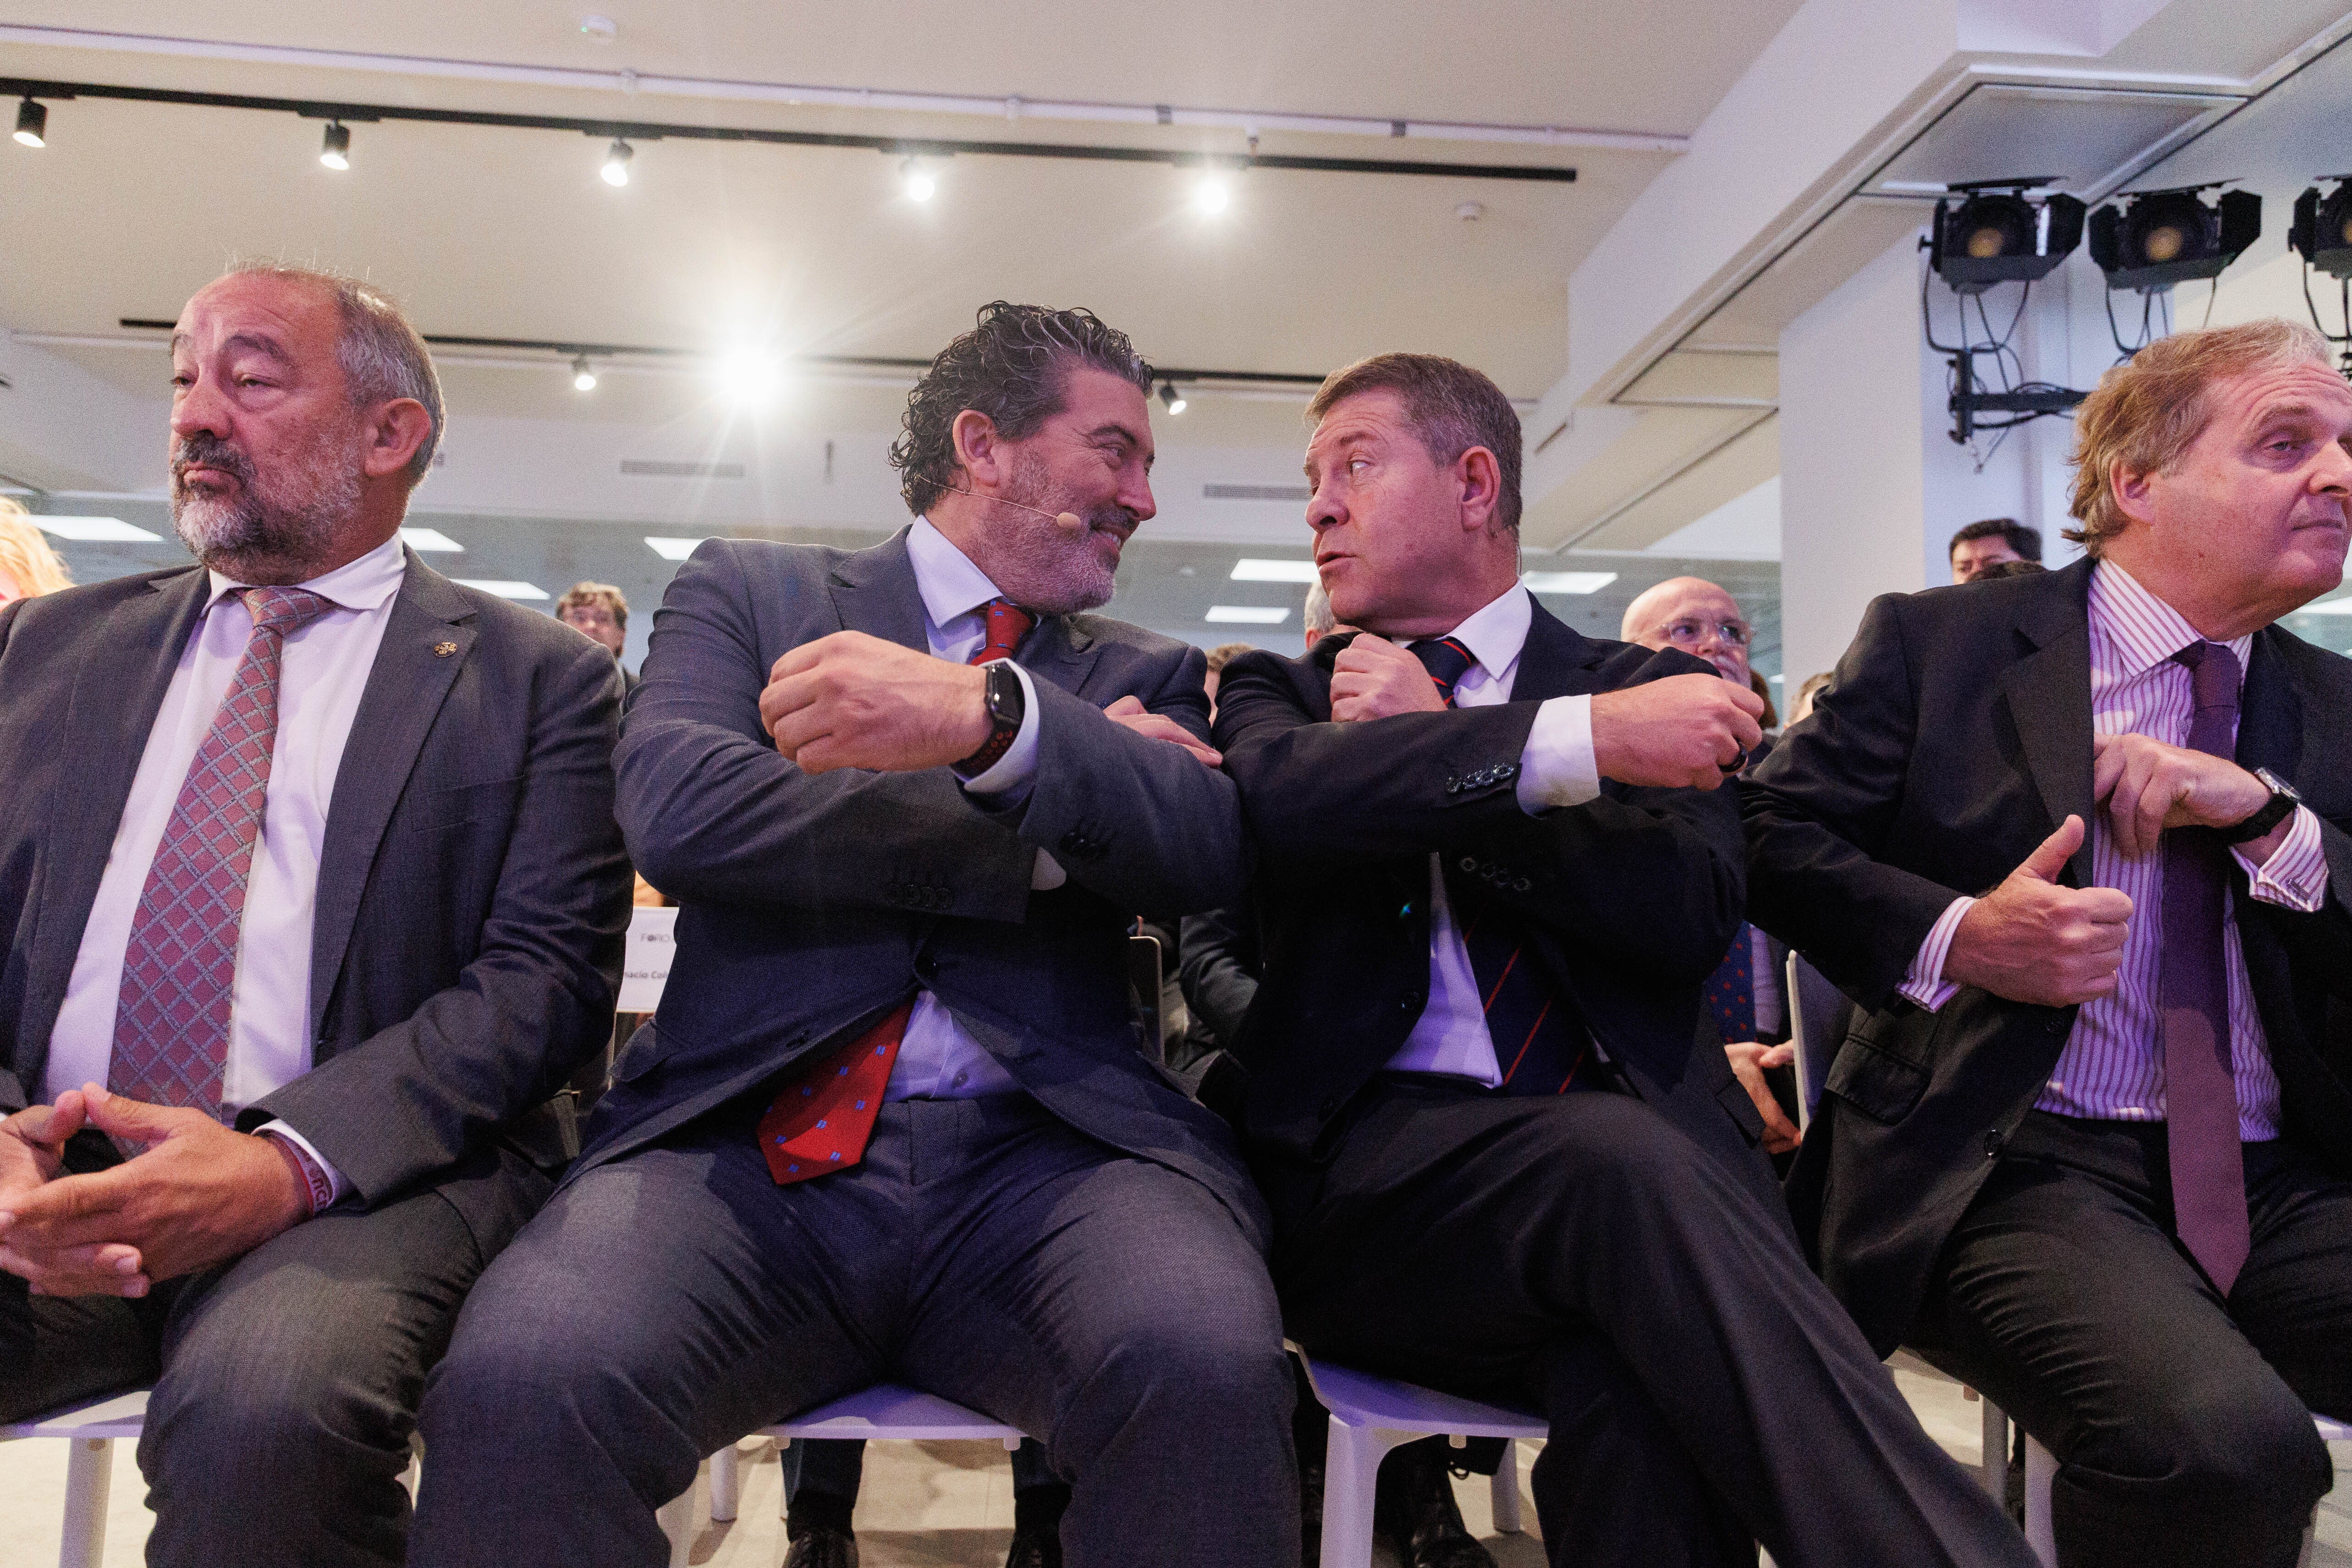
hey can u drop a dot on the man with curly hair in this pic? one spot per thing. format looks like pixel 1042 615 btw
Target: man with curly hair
pixel 891 1123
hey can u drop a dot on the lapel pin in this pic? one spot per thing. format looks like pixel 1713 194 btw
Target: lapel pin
pixel 443 649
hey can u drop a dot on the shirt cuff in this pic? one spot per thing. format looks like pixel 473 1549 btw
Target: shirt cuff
pixel 2295 876
pixel 1018 766
pixel 1557 768
pixel 327 1184
pixel 1926 983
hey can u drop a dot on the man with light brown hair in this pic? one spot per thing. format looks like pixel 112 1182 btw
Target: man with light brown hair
pixel 2085 1146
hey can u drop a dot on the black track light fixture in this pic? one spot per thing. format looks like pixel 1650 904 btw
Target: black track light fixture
pixel 335 152
pixel 33 124
pixel 1170 398
pixel 1996 234
pixel 616 171
pixel 2151 240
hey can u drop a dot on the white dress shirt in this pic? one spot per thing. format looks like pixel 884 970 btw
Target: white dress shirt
pixel 2112 1067
pixel 1555 769
pixel 320 677
pixel 936 1059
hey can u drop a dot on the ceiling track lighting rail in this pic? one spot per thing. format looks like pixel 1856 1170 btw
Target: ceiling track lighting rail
pixel 653 130
pixel 569 352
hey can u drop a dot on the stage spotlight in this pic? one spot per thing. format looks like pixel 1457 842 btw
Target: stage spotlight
pixel 748 376
pixel 1172 397
pixel 33 124
pixel 1996 235
pixel 336 152
pixel 919 184
pixel 2153 240
pixel 1212 195
pixel 583 377
pixel 2322 230
pixel 616 164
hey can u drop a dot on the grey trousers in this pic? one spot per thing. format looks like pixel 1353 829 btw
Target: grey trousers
pixel 672 1301
pixel 286 1382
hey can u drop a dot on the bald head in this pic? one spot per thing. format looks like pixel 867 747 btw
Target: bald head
pixel 1695 616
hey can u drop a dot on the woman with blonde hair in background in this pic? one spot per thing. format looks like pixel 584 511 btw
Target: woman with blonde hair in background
pixel 28 567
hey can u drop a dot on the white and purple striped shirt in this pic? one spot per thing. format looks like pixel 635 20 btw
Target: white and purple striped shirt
pixel 2113 1065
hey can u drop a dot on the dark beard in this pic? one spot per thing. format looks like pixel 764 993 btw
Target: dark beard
pixel 268 530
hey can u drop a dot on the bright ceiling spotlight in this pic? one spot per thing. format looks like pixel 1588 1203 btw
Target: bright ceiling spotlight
pixel 584 378
pixel 2153 240
pixel 336 151
pixel 1172 397
pixel 919 184
pixel 33 124
pixel 748 376
pixel 1996 235
pixel 616 163
pixel 1212 195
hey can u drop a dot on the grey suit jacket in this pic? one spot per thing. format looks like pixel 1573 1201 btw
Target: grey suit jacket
pixel 472 892
pixel 811 906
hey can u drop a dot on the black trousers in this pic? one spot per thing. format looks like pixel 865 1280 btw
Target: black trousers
pixel 1578 1255
pixel 286 1382
pixel 2182 1421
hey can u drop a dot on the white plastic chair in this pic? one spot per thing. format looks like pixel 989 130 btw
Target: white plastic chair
pixel 2042 1468
pixel 885 1410
pixel 1369 1415
pixel 92 1428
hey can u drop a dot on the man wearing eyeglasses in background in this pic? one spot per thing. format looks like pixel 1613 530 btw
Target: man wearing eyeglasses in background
pixel 1743 995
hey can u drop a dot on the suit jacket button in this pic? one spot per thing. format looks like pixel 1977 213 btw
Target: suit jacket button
pixel 1506 770
pixel 1521 886
pixel 1992 1142
pixel 1453 785
pixel 1469 862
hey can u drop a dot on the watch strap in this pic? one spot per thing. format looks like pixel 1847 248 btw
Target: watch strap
pixel 2273 811
pixel 1005 711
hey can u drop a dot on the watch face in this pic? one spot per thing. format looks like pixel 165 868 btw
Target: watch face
pixel 2278 785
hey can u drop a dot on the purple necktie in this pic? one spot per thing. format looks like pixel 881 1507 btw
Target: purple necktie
pixel 171 1024
pixel 2208 1169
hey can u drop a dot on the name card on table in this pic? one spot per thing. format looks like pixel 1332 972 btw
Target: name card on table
pixel 644 968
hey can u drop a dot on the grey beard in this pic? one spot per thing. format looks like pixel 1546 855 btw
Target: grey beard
pixel 1037 563
pixel 292 521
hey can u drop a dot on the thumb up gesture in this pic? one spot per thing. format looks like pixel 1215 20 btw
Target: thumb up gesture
pixel 2031 939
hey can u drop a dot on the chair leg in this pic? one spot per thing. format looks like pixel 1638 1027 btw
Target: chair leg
pixel 1994 1470
pixel 725 1479
pixel 90 1476
pixel 1507 1491
pixel 1351 1472
pixel 680 1518
pixel 2041 1469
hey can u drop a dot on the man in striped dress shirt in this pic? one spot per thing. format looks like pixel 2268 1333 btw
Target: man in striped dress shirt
pixel 2084 1145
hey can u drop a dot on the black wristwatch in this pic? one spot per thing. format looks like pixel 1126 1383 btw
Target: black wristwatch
pixel 1007 704
pixel 2273 811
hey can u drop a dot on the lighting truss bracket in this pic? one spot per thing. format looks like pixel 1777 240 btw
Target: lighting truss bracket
pixel 1967 402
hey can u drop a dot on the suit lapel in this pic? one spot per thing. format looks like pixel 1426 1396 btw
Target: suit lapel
pixel 1555 661
pixel 2269 716
pixel 118 691
pixel 873 591
pixel 405 691
pixel 1062 651
pixel 2048 694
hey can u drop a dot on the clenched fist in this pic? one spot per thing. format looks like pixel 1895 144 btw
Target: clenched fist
pixel 1373 678
pixel 850 700
pixel 2031 939
pixel 1686 731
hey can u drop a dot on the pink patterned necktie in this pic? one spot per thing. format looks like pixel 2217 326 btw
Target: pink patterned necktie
pixel 171 1020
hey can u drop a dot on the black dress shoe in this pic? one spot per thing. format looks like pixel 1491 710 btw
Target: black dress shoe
pixel 1413 1506
pixel 1035 1548
pixel 822 1546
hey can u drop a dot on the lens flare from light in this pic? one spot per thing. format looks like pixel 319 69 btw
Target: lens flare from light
pixel 1212 195
pixel 919 184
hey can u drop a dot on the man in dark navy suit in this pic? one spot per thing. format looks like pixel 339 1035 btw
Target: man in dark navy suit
pixel 1495 865
pixel 891 1121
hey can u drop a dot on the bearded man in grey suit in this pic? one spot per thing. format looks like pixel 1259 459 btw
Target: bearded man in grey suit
pixel 890 1122
pixel 309 884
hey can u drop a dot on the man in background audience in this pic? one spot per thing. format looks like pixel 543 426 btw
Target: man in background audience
pixel 891 1124
pixel 2075 844
pixel 1495 864
pixel 312 896
pixel 1990 541
pixel 599 612
pixel 28 567
pixel 1743 998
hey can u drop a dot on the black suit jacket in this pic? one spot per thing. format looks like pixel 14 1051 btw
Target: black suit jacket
pixel 1631 900
pixel 811 906
pixel 1955 736
pixel 472 899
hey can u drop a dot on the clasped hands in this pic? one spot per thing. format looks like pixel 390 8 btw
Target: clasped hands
pixel 851 700
pixel 2031 939
pixel 1679 732
pixel 198 1194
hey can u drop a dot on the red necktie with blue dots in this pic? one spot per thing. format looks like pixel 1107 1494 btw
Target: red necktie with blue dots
pixel 822 1121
